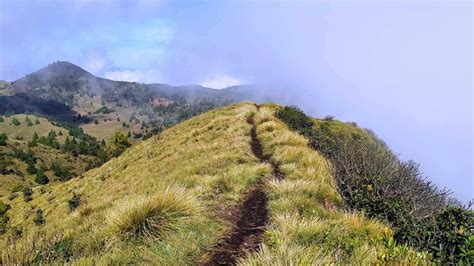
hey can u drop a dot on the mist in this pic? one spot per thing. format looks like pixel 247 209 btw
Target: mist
pixel 402 69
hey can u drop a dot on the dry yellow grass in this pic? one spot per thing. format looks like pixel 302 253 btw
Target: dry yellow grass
pixel 309 224
pixel 209 156
pixel 26 132
pixel 127 215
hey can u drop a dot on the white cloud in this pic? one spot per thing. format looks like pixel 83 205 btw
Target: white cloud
pixel 143 76
pixel 95 65
pixel 221 82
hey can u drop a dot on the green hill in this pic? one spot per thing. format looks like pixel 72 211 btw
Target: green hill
pixel 232 185
pixel 25 130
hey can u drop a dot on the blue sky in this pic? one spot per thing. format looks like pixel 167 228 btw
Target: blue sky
pixel 401 68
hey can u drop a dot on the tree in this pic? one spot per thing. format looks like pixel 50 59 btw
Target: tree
pixel 34 140
pixel 31 169
pixel 37 122
pixel 96 122
pixel 61 172
pixel 118 143
pixel 41 177
pixel 3 139
pixel 2 119
pixel 15 122
pixel 28 121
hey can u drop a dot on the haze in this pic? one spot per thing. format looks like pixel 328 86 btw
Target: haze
pixel 403 69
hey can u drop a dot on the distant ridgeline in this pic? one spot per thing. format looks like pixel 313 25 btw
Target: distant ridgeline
pixel 65 92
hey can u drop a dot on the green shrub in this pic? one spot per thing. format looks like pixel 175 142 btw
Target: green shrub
pixel 37 122
pixel 452 240
pixel 31 169
pixel 371 178
pixel 61 172
pixel 28 122
pixel 117 144
pixel 41 177
pixel 15 121
pixel 2 119
pixel 74 202
pixel 34 140
pixel 3 139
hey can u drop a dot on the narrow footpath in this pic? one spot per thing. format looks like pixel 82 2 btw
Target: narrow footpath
pixel 250 215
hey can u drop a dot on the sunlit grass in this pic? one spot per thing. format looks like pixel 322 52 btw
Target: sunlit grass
pixel 161 201
pixel 309 224
pixel 208 157
pixel 149 217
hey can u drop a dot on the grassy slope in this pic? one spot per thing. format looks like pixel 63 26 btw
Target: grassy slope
pixel 25 131
pixel 209 156
pixel 46 156
pixel 104 129
pixel 207 160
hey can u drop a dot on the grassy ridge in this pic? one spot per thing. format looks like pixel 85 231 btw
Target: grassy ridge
pixel 309 223
pixel 207 157
pixel 164 201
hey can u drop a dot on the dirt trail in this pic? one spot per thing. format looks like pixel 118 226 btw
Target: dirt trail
pixel 250 215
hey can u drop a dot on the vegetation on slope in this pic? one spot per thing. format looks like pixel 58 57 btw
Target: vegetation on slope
pixel 207 159
pixel 309 225
pixel 168 199
pixel 371 178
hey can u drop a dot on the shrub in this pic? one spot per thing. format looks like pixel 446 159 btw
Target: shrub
pixel 15 121
pixel 371 178
pixel 3 139
pixel 31 169
pixel 27 192
pixel 74 202
pixel 39 218
pixel 118 143
pixel 453 242
pixel 34 140
pixel 28 122
pixel 96 121
pixel 149 217
pixel 61 172
pixel 41 177
pixel 2 119
pixel 37 122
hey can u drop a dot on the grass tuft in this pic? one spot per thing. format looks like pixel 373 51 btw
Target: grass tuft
pixel 149 217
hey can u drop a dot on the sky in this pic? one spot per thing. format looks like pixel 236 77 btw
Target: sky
pixel 401 68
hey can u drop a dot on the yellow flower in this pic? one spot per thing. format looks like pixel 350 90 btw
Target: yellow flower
pixel 369 188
